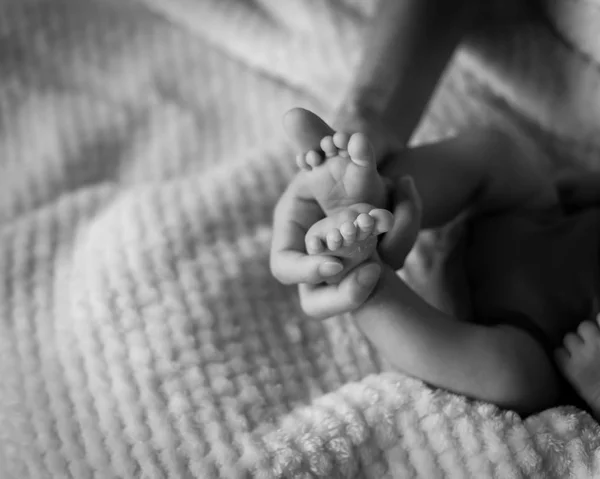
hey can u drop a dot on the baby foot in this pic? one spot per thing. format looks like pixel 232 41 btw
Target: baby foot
pixel 346 176
pixel 350 233
pixel 579 361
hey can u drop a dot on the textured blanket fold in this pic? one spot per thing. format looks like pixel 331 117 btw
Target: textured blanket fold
pixel 141 333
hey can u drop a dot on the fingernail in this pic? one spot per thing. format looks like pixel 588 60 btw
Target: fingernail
pixel 330 269
pixel 369 275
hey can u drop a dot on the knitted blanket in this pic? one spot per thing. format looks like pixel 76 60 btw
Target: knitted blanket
pixel 141 333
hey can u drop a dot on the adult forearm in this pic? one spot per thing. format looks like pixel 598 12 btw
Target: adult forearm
pixel 408 45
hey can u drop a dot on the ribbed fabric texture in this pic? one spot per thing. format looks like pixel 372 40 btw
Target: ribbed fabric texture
pixel 141 333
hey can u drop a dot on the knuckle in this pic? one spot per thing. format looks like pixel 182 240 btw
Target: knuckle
pixel 283 279
pixel 311 311
pixel 274 270
pixel 306 308
pixel 355 297
pixel 279 274
pixel 306 303
pixel 312 278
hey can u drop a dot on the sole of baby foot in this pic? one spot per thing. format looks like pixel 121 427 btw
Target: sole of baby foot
pixel 350 233
pixel 345 174
pixel 579 361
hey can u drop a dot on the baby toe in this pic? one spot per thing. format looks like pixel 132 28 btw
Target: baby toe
pixel 348 231
pixel 340 140
pixel 384 220
pixel 313 159
pixel 314 245
pixel 328 146
pixel 301 162
pixel 334 240
pixel 361 151
pixel 588 331
pixel 572 343
pixel 365 224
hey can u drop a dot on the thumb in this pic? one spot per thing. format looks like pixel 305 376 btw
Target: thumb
pixel 399 241
pixel 325 300
pixel 365 279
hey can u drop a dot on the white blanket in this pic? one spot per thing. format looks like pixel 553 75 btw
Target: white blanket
pixel 141 333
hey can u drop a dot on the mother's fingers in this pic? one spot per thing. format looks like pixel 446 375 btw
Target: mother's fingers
pixel 290 264
pixel 325 300
pixel 399 241
pixel 294 267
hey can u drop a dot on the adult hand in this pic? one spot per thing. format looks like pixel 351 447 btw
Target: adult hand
pixel 325 300
pixel 297 210
pixel 295 213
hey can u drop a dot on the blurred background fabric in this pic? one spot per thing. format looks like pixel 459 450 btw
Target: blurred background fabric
pixel 141 155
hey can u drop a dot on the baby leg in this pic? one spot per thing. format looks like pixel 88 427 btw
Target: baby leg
pixel 579 361
pixel 503 365
pixel 478 170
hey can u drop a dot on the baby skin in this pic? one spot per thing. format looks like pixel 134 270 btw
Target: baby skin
pixel 348 188
pixel 498 362
pixel 579 361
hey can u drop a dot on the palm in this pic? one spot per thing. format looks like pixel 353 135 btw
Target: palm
pixel 307 210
